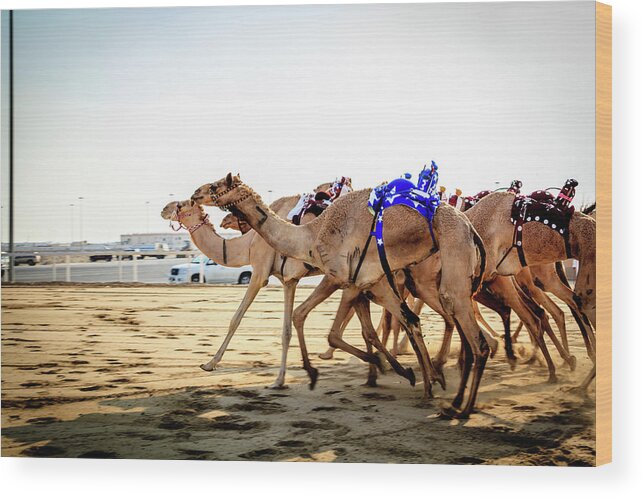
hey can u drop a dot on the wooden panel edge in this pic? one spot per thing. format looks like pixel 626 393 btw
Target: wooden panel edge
pixel 604 233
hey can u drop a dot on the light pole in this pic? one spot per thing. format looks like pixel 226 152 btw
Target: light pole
pixel 80 215
pixel 71 219
pixel 147 221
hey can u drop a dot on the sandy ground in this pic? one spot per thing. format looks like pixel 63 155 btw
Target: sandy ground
pixel 113 372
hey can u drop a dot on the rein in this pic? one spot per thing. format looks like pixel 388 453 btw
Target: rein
pixel 226 207
pixel 191 228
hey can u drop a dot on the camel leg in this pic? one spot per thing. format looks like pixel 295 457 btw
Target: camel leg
pixel 445 347
pixel 383 295
pixel 465 361
pixel 504 286
pixel 286 334
pixel 557 314
pixel 538 297
pixel 479 364
pixel 362 306
pixel 385 326
pixel 431 297
pixel 588 380
pixel 530 299
pixel 492 302
pixel 403 345
pixel 514 337
pixel 335 337
pixel 552 283
pixel 322 292
pixel 328 354
pixel 480 319
pixel 257 282
pixel 457 301
pixel 371 380
pixel 395 328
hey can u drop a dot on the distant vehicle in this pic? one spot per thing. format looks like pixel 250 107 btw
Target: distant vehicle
pixel 101 257
pixel 26 259
pixel 5 263
pixel 213 273
pixel 152 251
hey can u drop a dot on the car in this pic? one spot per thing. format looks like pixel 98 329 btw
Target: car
pixel 26 259
pixel 100 257
pixel 213 273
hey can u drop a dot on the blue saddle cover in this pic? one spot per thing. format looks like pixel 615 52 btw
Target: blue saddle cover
pixel 422 197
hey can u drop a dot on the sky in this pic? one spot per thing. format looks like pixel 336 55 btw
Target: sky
pixel 132 108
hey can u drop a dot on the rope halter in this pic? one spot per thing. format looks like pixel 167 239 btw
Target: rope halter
pixel 214 197
pixel 192 228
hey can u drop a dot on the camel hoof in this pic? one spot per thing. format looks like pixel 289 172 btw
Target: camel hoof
pixel 371 382
pixel 410 375
pixel 277 386
pixel 512 363
pixel 572 363
pixel 552 379
pixel 440 380
pixel 313 373
pixel 448 413
pixel 207 368
pixel 326 355
pixel 451 413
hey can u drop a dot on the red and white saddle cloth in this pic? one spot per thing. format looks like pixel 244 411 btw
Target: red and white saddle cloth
pixel 316 203
pixel 472 200
pixel 542 207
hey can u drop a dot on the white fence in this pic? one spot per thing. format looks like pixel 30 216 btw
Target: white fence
pixel 91 266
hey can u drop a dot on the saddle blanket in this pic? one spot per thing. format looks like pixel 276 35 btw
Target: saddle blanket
pixel 318 202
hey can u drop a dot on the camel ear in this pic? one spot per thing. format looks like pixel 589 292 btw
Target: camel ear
pixel 228 180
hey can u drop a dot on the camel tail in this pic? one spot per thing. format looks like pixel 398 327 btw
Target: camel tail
pixel 589 209
pixel 560 271
pixel 482 259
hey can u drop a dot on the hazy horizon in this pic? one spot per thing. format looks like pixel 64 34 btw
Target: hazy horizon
pixel 124 107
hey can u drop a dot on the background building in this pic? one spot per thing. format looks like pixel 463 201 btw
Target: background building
pixel 176 241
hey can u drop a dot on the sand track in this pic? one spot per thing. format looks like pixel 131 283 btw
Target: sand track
pixel 95 371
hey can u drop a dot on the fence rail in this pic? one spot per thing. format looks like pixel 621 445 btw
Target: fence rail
pixel 94 266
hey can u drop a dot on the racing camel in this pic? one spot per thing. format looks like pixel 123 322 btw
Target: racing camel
pixel 247 249
pixel 334 243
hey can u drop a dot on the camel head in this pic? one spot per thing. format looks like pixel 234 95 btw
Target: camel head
pixel 232 222
pixel 223 193
pixel 186 212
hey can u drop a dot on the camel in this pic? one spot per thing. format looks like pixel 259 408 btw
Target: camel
pixel 335 241
pixel 246 249
pixel 491 217
pixel 387 323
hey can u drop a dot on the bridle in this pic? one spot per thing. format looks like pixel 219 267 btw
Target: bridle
pixel 191 228
pixel 214 197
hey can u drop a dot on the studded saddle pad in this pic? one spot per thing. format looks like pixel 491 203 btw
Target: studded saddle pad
pixel 542 207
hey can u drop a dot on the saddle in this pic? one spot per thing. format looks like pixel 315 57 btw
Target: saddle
pixel 472 200
pixel 318 202
pixel 542 207
pixel 422 197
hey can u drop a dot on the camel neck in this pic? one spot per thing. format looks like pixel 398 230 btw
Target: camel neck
pixel 227 252
pixel 294 241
